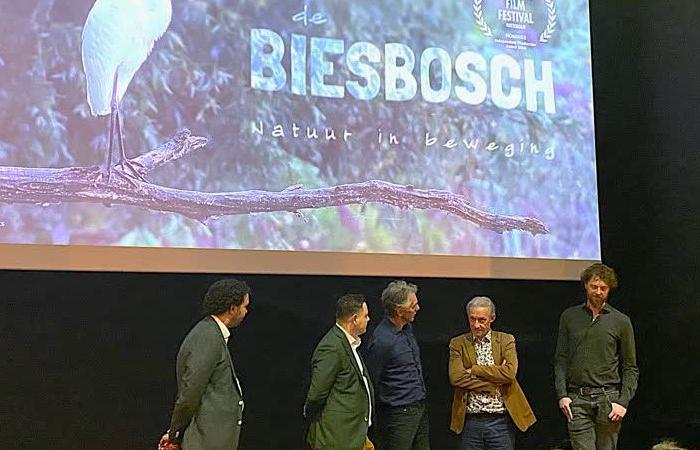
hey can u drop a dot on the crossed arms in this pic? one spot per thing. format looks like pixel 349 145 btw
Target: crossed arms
pixel 466 374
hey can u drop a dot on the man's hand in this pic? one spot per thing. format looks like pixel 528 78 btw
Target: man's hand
pixel 565 407
pixel 617 413
pixel 165 443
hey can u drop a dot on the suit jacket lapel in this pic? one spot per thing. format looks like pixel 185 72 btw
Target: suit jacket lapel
pixel 346 346
pixel 496 347
pixel 233 371
pixel 369 382
pixel 228 355
pixel 471 351
pixel 348 351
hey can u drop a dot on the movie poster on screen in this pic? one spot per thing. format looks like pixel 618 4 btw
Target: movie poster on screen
pixel 402 127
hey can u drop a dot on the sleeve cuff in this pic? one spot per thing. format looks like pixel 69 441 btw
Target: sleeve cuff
pixel 175 436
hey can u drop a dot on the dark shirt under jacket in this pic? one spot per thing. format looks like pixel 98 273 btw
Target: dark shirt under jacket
pixel 393 360
pixel 598 353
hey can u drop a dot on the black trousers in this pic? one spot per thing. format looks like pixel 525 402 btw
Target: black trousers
pixel 403 427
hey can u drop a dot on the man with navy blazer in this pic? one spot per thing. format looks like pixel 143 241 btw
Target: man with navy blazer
pixel 208 411
pixel 339 404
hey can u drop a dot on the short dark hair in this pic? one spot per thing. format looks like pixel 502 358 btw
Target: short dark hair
pixel 348 305
pixel 224 294
pixel 605 273
pixel 395 294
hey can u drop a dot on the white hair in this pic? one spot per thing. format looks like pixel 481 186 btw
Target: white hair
pixel 481 301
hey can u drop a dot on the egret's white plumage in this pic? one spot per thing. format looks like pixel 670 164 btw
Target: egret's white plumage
pixel 117 38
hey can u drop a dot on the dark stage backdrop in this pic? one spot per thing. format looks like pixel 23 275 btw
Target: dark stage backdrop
pixel 647 90
pixel 88 358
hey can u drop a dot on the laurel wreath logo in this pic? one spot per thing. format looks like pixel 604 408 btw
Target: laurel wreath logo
pixel 479 17
pixel 545 36
pixel 551 21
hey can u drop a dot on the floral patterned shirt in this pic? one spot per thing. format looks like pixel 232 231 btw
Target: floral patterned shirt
pixel 484 402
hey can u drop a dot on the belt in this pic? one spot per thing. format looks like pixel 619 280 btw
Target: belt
pixel 589 390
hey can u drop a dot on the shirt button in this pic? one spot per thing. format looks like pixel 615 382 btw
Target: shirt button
pixel 365 419
pixel 240 422
pixel 240 402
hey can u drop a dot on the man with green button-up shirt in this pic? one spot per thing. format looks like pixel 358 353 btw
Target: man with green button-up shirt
pixel 595 367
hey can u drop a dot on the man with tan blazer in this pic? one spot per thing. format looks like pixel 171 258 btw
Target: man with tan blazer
pixel 488 402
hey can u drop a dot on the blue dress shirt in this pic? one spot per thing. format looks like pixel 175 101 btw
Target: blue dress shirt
pixel 393 359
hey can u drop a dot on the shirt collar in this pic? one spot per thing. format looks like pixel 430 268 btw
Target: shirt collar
pixel 486 338
pixel 390 325
pixel 225 332
pixel 354 343
pixel 605 309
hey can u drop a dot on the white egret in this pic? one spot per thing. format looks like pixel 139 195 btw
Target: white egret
pixel 117 38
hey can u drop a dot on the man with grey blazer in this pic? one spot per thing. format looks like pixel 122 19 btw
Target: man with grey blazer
pixel 208 410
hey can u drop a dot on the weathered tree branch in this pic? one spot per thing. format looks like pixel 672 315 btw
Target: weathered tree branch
pixel 86 184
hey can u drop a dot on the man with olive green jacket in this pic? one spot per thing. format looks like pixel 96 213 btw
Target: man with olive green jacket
pixel 339 404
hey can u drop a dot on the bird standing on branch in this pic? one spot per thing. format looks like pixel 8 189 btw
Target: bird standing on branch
pixel 117 37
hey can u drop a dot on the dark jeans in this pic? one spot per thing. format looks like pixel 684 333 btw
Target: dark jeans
pixel 591 428
pixel 403 427
pixel 487 432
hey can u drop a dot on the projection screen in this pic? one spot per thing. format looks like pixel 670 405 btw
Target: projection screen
pixel 414 138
